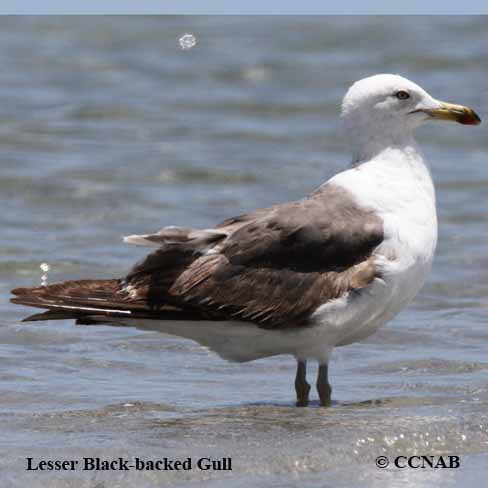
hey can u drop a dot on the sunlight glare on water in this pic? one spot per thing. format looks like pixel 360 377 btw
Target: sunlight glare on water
pixel 45 270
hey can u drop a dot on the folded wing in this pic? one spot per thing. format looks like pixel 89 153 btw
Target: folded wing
pixel 273 267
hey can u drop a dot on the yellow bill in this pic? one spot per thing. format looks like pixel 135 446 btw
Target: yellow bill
pixel 457 113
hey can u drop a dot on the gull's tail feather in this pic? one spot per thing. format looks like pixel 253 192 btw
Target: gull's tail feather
pixel 75 299
pixel 95 302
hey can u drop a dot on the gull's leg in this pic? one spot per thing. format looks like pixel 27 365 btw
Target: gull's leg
pixel 323 387
pixel 301 386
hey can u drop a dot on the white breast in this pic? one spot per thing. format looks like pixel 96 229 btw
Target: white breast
pixel 400 190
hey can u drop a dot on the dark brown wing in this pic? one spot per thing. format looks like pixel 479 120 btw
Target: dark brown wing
pixel 274 267
pixel 326 231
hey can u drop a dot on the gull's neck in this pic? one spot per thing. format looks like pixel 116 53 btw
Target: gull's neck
pixel 398 158
pixel 368 147
pixel 369 137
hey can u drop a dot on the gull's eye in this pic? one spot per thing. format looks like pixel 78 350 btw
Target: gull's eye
pixel 402 95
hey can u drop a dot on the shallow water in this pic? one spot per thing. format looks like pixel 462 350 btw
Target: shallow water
pixel 109 128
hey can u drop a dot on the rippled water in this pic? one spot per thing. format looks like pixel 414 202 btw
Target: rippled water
pixel 109 128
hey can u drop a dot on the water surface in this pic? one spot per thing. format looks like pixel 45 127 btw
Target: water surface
pixel 109 129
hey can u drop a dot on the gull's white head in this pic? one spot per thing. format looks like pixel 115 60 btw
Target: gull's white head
pixel 382 111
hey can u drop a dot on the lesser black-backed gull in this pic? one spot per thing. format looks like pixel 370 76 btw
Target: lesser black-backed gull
pixel 298 278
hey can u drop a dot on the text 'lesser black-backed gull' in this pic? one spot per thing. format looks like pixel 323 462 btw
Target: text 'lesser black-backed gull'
pixel 298 278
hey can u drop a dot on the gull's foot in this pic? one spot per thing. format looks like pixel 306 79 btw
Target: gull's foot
pixel 303 391
pixel 323 387
pixel 325 403
pixel 325 394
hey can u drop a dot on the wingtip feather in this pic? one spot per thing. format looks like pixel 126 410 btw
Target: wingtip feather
pixel 139 240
